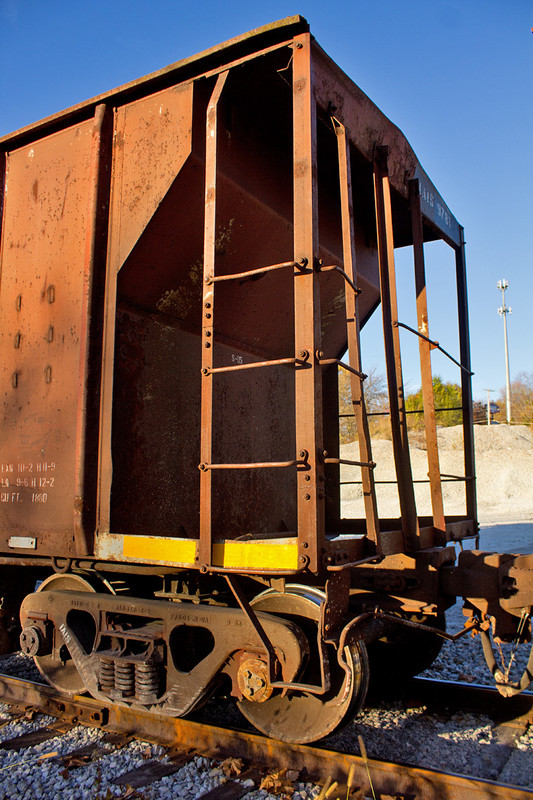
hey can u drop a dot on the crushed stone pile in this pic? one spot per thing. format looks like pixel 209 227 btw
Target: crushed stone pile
pixel 504 469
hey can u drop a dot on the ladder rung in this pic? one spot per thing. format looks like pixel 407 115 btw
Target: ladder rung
pixel 256 364
pixel 336 268
pixel 255 465
pixel 260 271
pixel 324 362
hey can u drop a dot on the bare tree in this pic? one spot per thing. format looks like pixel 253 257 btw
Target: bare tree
pixel 376 400
pixel 521 398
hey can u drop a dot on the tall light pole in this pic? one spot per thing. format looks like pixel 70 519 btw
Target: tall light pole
pixel 503 311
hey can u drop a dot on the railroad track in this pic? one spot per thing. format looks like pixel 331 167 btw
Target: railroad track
pixel 187 737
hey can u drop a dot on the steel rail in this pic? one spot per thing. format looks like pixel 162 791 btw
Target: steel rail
pixel 215 742
pixel 472 697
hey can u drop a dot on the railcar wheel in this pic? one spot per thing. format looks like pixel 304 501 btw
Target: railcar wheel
pixel 299 716
pixel 58 668
pixel 410 651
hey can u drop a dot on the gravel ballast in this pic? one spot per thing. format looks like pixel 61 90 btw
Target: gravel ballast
pixel 461 742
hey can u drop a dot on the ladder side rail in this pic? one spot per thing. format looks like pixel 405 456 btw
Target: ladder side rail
pixel 353 336
pixel 391 336
pixel 430 425
pixel 466 382
pixel 307 321
pixel 206 416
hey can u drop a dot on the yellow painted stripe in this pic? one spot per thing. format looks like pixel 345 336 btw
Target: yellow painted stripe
pixel 158 548
pixel 269 554
pixel 266 554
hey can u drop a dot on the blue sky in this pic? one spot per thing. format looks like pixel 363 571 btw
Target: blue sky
pixel 455 75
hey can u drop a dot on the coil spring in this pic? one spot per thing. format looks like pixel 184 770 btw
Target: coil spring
pixel 125 678
pixel 106 675
pixel 147 681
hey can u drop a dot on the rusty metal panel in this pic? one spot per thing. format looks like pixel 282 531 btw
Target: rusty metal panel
pixel 367 127
pixel 43 311
pixel 152 142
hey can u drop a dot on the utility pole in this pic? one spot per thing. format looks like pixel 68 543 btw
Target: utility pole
pixel 503 311
pixel 488 404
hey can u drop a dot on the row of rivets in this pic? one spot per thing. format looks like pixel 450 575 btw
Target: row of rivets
pixel 16 374
pixel 50 294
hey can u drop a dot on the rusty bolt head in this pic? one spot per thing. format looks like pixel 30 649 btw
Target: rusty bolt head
pixel 207 333
pixel 207 344
pixel 302 262
pixel 207 305
pixel 303 354
pixel 307 497
pixel 208 315
pixel 307 478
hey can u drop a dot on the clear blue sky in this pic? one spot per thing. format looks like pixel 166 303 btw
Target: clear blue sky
pixel 455 75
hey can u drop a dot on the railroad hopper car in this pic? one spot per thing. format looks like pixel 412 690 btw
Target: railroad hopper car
pixel 186 265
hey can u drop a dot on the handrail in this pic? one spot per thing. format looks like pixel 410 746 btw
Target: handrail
pixel 369 464
pixel 336 268
pixel 301 265
pixel 434 344
pixel 327 460
pixel 324 362
pixel 446 479
pixel 411 411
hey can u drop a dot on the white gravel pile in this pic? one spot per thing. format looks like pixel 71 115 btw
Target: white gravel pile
pixel 504 469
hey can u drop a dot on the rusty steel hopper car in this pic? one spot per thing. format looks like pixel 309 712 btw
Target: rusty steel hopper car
pixel 186 265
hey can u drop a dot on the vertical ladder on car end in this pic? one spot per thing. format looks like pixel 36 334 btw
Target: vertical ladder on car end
pixel 304 463
pixel 353 335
